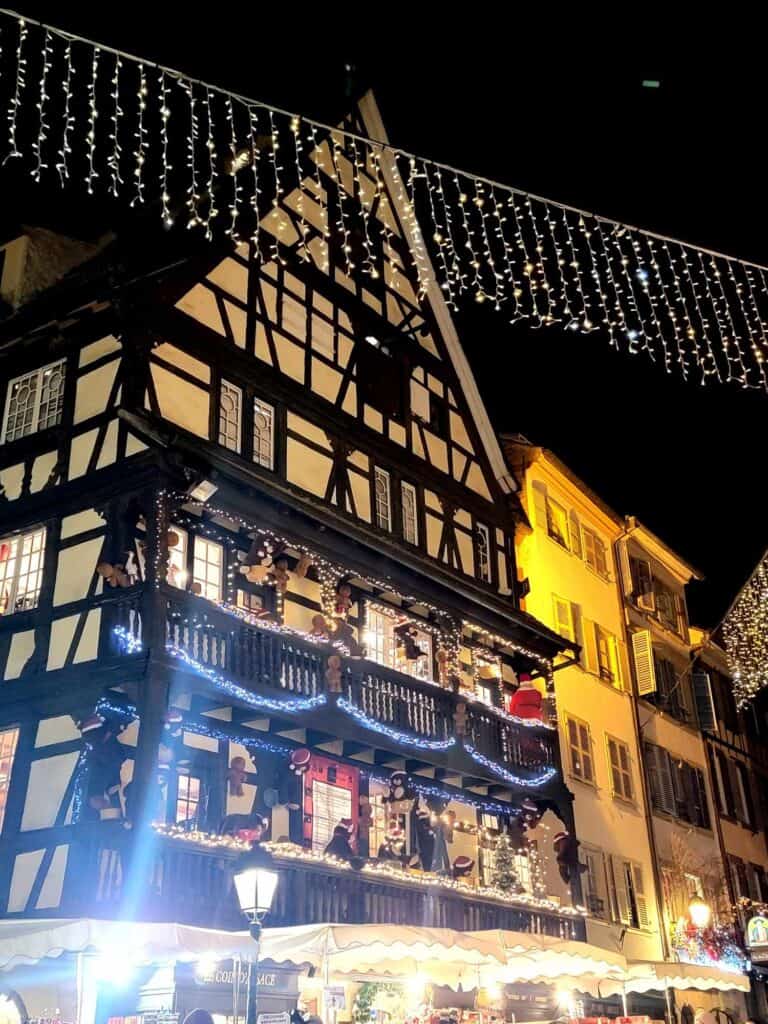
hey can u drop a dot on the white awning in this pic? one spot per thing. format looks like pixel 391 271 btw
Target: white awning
pixel 646 977
pixel 543 958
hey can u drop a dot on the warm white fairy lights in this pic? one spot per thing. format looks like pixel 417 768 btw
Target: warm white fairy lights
pixel 745 633
pixel 703 315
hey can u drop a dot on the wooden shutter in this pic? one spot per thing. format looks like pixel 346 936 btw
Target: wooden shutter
pixel 667 776
pixel 736 791
pixel 621 896
pixel 642 652
pixel 730 807
pixel 701 798
pixel 717 781
pixel 613 758
pixel 749 806
pixel 641 900
pixel 705 705
pixel 589 651
pixel 563 617
pixel 574 530
pixel 652 772
pixel 540 504
pixel 642 583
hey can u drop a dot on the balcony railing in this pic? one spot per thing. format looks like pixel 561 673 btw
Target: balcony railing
pixel 192 884
pixel 278 663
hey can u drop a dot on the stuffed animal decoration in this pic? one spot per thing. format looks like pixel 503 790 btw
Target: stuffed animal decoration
pixel 425 838
pixel 340 845
pixel 320 627
pixel 236 776
pixel 303 565
pixel 531 813
pixel 460 719
pixel 333 673
pixel 300 761
pixel 402 794
pixel 393 846
pixel 442 657
pixel 280 573
pixel 406 640
pixel 345 634
pixel 462 866
pixel 106 757
pixel 343 600
pixel 526 701
pixel 114 575
pixel 566 849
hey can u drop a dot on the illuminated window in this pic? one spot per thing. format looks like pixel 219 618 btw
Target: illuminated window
pixel 263 434
pixel 621 771
pixel 580 750
pixel 329 805
pixel 8 740
pixel 230 410
pixel 21 571
pixel 594 551
pixel 557 522
pixel 383 499
pixel 605 645
pixel 177 574
pixel 207 567
pixel 35 401
pixel 410 513
pixel 381 817
pixel 386 646
pixel 188 799
pixel 594 882
pixel 483 550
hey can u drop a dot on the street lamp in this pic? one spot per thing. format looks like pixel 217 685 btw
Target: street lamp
pixel 255 883
pixel 699 912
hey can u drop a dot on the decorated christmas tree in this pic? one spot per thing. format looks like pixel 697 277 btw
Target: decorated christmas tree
pixel 504 874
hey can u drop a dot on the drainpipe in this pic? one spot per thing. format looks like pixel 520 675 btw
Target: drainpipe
pixel 668 994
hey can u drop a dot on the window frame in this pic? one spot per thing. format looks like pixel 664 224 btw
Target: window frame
pixel 6 774
pixel 207 542
pixel 560 537
pixel 582 751
pixel 591 539
pixel 406 487
pixel 624 770
pixel 237 447
pixel 260 406
pixel 187 799
pixel 558 603
pixel 389 658
pixel 484 575
pixel 35 427
pixel 383 520
pixel 19 558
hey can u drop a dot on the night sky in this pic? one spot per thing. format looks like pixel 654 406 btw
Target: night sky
pixel 554 104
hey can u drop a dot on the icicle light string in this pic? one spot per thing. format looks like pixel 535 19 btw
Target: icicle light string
pixel 701 312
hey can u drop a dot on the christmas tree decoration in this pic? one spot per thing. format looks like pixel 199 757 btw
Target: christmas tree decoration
pixel 504 875
pixel 231 165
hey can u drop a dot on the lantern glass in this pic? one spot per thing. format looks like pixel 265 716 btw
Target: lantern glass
pixel 255 890
pixel 699 912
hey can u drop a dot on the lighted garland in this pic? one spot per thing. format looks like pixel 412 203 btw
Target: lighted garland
pixel 745 635
pixel 212 156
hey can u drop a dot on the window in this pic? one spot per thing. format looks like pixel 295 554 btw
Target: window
pixel 666 601
pixel 642 583
pixel 565 622
pixel 410 513
pixel 177 574
pixel 628 900
pixel 329 805
pixel 742 792
pixel 605 645
pixel 263 434
pixel 207 567
pixel 230 412
pixel 677 788
pixel 381 817
pixel 580 750
pixel 621 771
pixel 594 552
pixel 34 402
pixel 382 499
pixel 8 740
pixel 670 692
pixel 188 800
pixel 557 522
pixel 384 643
pixel 438 415
pixel 594 883
pixel 21 571
pixel 483 549
pixel 739 877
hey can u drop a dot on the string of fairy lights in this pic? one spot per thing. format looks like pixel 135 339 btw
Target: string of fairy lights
pixel 745 636
pixel 227 164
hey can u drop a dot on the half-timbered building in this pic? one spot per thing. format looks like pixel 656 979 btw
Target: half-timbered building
pixel 258 582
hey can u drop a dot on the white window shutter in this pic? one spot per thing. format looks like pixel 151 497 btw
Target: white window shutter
pixel 540 504
pixel 645 671
pixel 620 890
pixel 589 650
pixel 574 529
pixel 640 897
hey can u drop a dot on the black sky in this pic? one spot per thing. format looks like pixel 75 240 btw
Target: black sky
pixel 554 103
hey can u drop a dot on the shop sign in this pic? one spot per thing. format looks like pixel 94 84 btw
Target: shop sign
pixel 334 997
pixel 273 1018
pixel 757 931
pixel 212 975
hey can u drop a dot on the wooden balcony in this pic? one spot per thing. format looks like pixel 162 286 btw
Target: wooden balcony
pixel 177 880
pixel 394 710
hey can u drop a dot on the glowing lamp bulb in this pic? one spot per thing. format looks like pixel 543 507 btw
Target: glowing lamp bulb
pixel 699 912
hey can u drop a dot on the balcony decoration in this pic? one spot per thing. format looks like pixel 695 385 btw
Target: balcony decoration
pixel 105 758
pixel 177 142
pixel 713 946
pixel 504 869
pixel 745 634
pixel 566 847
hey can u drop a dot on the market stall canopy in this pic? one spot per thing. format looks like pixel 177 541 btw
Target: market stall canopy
pixel 438 955
pixel 646 977
pixel 544 958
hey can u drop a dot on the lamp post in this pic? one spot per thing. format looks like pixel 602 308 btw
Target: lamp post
pixel 255 883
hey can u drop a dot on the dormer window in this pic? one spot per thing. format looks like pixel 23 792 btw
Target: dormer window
pixel 381 371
